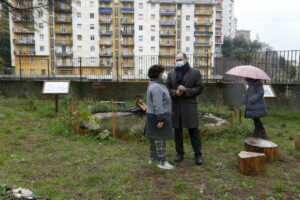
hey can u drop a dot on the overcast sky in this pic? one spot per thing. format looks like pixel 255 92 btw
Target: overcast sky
pixel 277 22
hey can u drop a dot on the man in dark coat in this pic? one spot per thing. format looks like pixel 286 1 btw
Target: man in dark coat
pixel 185 84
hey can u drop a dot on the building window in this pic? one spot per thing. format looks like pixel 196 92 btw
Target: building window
pixel 206 8
pixel 41 37
pixel 187 38
pixel 79 15
pixel 32 72
pixel 92 26
pixel 207 19
pixel 41 25
pixel 152 27
pixel 153 16
pixel 141 72
pixel 140 16
pixel 92 59
pixel 91 3
pixel 141 38
pixel 152 38
pixel 92 48
pixel 141 5
pixel 40 13
pixel 92 37
pixel 140 28
pixel 187 50
pixel 152 6
pixel 43 72
pixel 79 26
pixel 188 17
pixel 79 37
pixel 79 48
pixel 140 49
pixel 78 3
pixel 188 28
pixel 152 49
pixel 42 48
pixel 92 15
pixel 40 2
pixel 206 50
pixel 32 60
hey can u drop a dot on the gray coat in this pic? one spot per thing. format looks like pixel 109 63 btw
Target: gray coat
pixel 158 109
pixel 185 111
pixel 254 100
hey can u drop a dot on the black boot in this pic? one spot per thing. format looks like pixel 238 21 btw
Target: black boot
pixel 198 160
pixel 178 158
pixel 263 134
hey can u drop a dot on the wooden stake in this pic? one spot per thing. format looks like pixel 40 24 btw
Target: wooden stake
pixel 113 121
pixel 56 103
pixel 297 142
pixel 240 116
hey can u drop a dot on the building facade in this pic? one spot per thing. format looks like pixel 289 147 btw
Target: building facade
pixel 244 33
pixel 113 38
pixel 229 20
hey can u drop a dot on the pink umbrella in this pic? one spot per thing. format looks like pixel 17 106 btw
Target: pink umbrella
pixel 249 72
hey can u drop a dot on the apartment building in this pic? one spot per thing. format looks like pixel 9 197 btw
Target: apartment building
pixel 113 38
pixel 229 20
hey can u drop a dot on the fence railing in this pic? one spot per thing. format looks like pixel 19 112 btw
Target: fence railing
pixel 281 66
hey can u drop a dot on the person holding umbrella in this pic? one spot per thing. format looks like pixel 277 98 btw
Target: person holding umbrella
pixel 254 98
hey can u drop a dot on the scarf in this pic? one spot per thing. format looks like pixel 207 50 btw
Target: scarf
pixel 180 72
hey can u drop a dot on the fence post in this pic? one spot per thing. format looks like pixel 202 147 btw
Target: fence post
pixel 20 63
pixel 48 63
pixel 80 69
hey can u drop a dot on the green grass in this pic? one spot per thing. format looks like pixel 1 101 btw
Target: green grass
pixel 40 152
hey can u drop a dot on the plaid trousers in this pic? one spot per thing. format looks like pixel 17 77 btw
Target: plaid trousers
pixel 157 150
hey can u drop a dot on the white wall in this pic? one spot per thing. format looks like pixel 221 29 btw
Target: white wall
pixel 188 9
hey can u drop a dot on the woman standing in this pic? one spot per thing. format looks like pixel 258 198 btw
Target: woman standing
pixel 159 119
pixel 255 106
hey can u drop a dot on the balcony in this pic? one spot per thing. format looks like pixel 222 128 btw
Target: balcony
pixel 63 10
pixel 105 32
pixel 23 31
pixel 127 1
pixel 127 10
pixel 127 21
pixel 218 33
pixel 127 43
pixel 218 25
pixel 24 53
pixel 205 33
pixel 64 54
pixel 128 65
pixel 170 55
pixel 106 43
pixel 104 1
pixel 165 44
pixel 219 42
pixel 128 55
pixel 63 42
pixel 168 11
pixel 104 54
pixel 167 33
pixel 167 22
pixel 202 44
pixel 219 17
pixel 128 32
pixel 204 12
pixel 219 9
pixel 63 32
pixel 105 10
pixel 105 21
pixel 204 23
pixel 63 20
pixel 101 64
pixel 22 19
pixel 65 67
pixel 24 42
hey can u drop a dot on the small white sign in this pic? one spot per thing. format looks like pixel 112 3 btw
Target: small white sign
pixel 268 91
pixel 56 87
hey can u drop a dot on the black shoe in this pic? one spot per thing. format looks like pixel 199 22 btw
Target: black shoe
pixel 198 160
pixel 178 158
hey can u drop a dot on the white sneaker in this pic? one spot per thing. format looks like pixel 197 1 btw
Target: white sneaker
pixel 166 165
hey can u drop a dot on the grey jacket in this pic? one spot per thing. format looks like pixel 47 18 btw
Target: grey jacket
pixel 254 100
pixel 185 111
pixel 158 109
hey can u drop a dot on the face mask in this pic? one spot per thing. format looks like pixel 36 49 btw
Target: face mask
pixel 164 77
pixel 180 63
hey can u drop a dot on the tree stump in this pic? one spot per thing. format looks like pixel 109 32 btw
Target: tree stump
pixel 251 163
pixel 297 142
pixel 270 149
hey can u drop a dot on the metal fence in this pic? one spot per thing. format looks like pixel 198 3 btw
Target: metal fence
pixel 281 66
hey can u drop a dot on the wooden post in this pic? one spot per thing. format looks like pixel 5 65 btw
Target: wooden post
pixel 56 103
pixel 113 123
pixel 240 116
pixel 30 105
pixel 251 163
pixel 297 142
pixel 270 149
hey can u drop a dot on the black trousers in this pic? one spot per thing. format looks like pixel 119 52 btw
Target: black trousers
pixel 195 140
pixel 258 125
